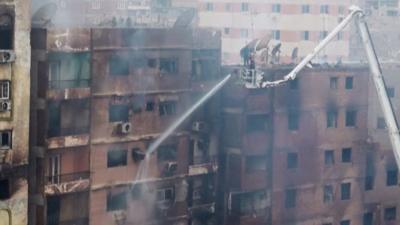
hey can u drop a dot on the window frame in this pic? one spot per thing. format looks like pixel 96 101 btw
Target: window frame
pixel 123 157
pixel 7 84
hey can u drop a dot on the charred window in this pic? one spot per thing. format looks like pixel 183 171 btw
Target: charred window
pixel 346 155
pixel 6 30
pixel 5 140
pixel 117 158
pixel 368 218
pixel 369 183
pixel 329 156
pixel 351 118
pixel 391 177
pixel 4 89
pixel 204 69
pixel 349 83
pixel 117 113
pixel 169 66
pixel 345 190
pixel 167 108
pixel 328 193
pixel 256 123
pixel 331 119
pixel 333 83
pixel 292 160
pixel 293 120
pixel 255 163
pixel 167 153
pixel 5 189
pixel 165 195
pixel 149 106
pixel 290 198
pixel 390 214
pixel 118 65
pixel 381 123
pixel 116 201
pixel 345 222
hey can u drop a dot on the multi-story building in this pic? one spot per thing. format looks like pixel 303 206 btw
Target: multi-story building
pixel 100 97
pixel 14 110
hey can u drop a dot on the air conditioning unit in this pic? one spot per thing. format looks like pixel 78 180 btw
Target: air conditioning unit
pixel 199 126
pixel 124 128
pixel 5 105
pixel 7 56
pixel 138 155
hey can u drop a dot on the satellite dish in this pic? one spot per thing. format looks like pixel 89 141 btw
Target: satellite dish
pixel 185 19
pixel 295 54
pixel 44 14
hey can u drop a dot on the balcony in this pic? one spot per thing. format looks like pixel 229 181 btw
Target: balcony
pixel 203 168
pixel 67 131
pixel 68 89
pixel 67 183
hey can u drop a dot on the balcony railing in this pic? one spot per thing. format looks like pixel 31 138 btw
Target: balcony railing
pixel 54 220
pixel 63 84
pixel 55 132
pixel 63 178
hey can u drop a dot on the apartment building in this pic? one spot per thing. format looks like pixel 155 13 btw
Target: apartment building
pixel 100 98
pixel 14 110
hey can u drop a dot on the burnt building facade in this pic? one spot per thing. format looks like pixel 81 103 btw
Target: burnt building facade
pixel 100 97
pixel 14 110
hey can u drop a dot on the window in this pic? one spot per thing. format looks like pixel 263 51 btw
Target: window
pixel 4 89
pixel 390 214
pixel 293 120
pixel 245 7
pixel 54 169
pixel 328 193
pixel 369 183
pixel 381 124
pixel 116 201
pixel 292 160
pixel 368 218
pixel 152 63
pixel 391 13
pixel 345 222
pixel 96 4
pixel 6 138
pixel 209 6
pixel 323 34
pixel 167 108
pixel 339 36
pixel 341 10
pixel 305 35
pixel 6 31
pixel 118 66
pixel 227 30
pixel 165 195
pixel 324 9
pixel 276 8
pixel 345 191
pixel 244 33
pixel 331 119
pixel 228 7
pixel 349 83
pixel 351 118
pixel 333 83
pixel 121 4
pixel 327 224
pixel 305 9
pixel 290 199
pixel 166 153
pixel 256 123
pixel 117 113
pixel 149 106
pixel 276 34
pixel 255 164
pixel 5 189
pixel 294 84
pixel 391 177
pixel 329 157
pixel 390 92
pixel 117 158
pixel 346 155
pixel 169 65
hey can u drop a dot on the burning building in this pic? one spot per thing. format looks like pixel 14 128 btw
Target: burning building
pixel 100 97
pixel 14 110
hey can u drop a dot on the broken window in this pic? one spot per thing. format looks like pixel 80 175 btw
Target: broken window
pixel 165 195
pixel 118 65
pixel 391 177
pixel 290 198
pixel 328 193
pixel 381 123
pixel 256 123
pixel 349 83
pixel 250 203
pixel 390 214
pixel 255 163
pixel 117 113
pixel 149 106
pixel 166 153
pixel 345 222
pixel 368 218
pixel 169 66
pixel 4 89
pixel 351 118
pixel 333 83
pixel 292 160
pixel 116 201
pixel 329 156
pixel 293 120
pixel 54 169
pixel 294 84
pixel 5 192
pixel 167 108
pixel 6 30
pixel 346 155
pixel 117 158
pixel 390 92
pixel 331 119
pixel 345 189
pixel 369 183
pixel 6 138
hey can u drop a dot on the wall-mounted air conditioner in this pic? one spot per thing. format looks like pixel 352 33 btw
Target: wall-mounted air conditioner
pixel 7 56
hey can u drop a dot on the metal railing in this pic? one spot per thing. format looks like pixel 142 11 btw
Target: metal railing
pixel 63 178
pixel 63 84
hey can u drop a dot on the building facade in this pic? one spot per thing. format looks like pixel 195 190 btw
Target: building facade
pixel 14 110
